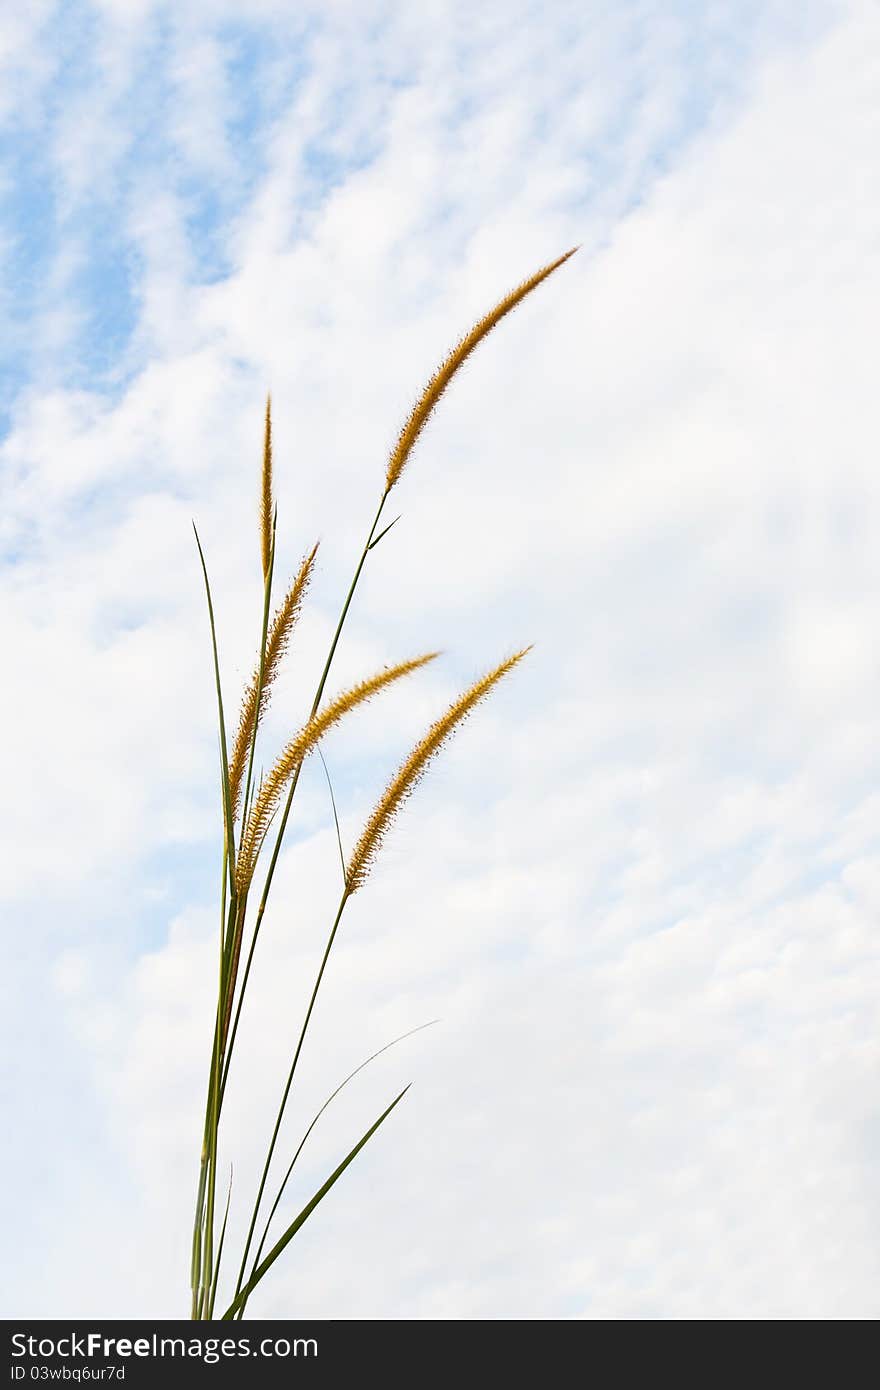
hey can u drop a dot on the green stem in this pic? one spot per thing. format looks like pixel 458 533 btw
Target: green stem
pixel 226 1058
pixel 239 922
pixel 203 1254
pixel 241 994
pixel 267 599
pixel 196 1264
pixel 230 944
pixel 348 598
pixel 302 1143
pixel 332 937
pixel 283 826
pixel 208 1276
pixel 211 1126
pixel 213 1294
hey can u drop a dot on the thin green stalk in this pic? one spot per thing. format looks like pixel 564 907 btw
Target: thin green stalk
pixel 203 1252
pixel 332 937
pixel 267 600
pixel 209 1142
pixel 208 1254
pixel 197 1252
pixel 239 924
pixel 345 607
pixel 227 801
pixel 213 1296
pixel 368 544
pixel 335 812
pixel 280 1245
pixel 327 1102
pixel 241 993
pixel 223 886
pixel 321 683
pixel 274 860
pixel 318 694
pixel 212 1121
pixel 196 1263
pixel 236 912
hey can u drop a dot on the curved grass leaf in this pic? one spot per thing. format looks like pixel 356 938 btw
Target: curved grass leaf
pixel 304 1215
pixel 220 1250
pixel 333 1094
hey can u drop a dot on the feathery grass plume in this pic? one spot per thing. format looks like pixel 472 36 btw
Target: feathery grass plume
pixel 410 774
pixel 299 746
pixel 266 492
pixel 422 410
pixel 276 644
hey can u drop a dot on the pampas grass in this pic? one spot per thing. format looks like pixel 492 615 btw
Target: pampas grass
pixel 251 809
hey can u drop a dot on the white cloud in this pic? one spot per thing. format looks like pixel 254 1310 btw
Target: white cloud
pixel 27 63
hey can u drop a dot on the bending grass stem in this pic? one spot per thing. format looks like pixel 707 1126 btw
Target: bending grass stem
pixel 288 804
pixel 208 1255
pixel 351 1075
pixel 349 596
pixel 203 1251
pixel 212 1117
pixel 239 922
pixel 216 1278
pixel 328 948
pixel 223 1059
pixel 267 599
pixel 196 1264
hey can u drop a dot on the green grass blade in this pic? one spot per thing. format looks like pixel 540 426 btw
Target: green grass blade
pixel 315 703
pixel 292 792
pixel 384 533
pixel 333 1094
pixel 267 603
pixel 286 1092
pixel 206 1251
pixel 220 1250
pixel 196 1262
pixel 335 813
pixel 281 1245
pixel 227 805
pixel 234 947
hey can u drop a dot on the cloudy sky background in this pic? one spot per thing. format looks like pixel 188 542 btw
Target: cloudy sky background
pixel 642 890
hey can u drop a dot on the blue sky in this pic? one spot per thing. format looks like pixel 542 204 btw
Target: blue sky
pixel 65 219
pixel 642 890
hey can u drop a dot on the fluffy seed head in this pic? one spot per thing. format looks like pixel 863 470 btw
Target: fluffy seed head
pixel 422 410
pixel 272 788
pixel 277 639
pixel 411 772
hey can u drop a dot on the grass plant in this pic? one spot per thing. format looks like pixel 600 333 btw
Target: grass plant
pixel 252 810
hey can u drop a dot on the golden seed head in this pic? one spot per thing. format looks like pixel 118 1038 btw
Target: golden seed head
pixel 277 639
pixel 422 410
pixel 411 772
pixel 268 799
